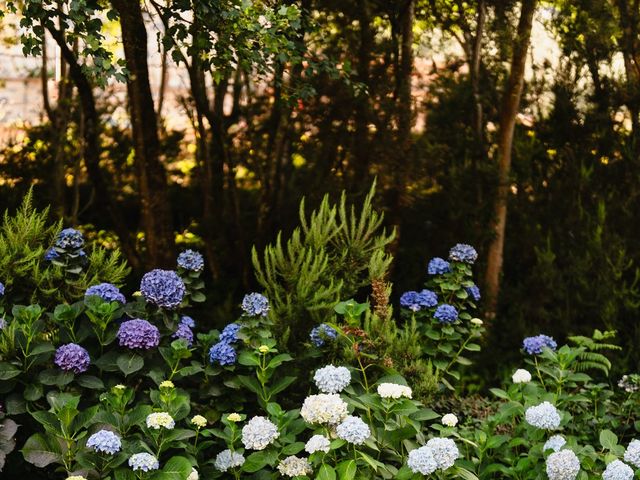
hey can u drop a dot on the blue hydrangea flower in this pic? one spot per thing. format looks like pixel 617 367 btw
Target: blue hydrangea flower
pixel 255 304
pixel 138 333
pixel 143 461
pixel 463 253
pixel 438 266
pixel 330 379
pixel 188 321
pixel 353 430
pixel 416 301
pixel 632 453
pixel 230 333
pixel 1 289
pixel 163 288
pixel 191 260
pixel 618 470
pixel 421 460
pixel 321 334
pixel 445 452
pixel 69 239
pixel 185 333
pixel 51 254
pixel 544 416
pixel 107 292
pixel 446 313
pixel 105 441
pixel 535 345
pixel 223 353
pixel 474 292
pixel 72 358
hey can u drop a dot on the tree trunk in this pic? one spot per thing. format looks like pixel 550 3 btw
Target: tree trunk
pixel 151 176
pixel 508 112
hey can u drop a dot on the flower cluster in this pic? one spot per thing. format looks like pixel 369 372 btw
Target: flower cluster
pixel 521 376
pixel 445 452
pixel 618 470
pixel 632 453
pixel 321 334
pixel 191 260
pixel 188 321
pixel 199 421
pixel 449 420
pixel 332 379
pixel 554 443
pixel 107 292
pixel 544 416
pixel 258 433
pixel 229 333
pixel 223 353
pixel 325 408
pixel 353 430
pixel 255 305
pixel 51 254
pixel 163 288
pixel 227 459
pixel 184 332
pixel 138 333
pixel 535 345
pixel 158 420
pixel 463 253
pixel 563 465
pixel 143 461
pixel 446 313
pixel 393 390
pixel 105 441
pixel 72 358
pixel 629 383
pixel 317 443
pixel 421 460
pixel 293 466
pixel 474 292
pixel 416 301
pixel 1 289
pixel 69 239
pixel 438 266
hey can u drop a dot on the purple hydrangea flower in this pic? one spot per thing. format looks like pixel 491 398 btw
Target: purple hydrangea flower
pixel 163 288
pixel 105 441
pixel 255 304
pixel 463 253
pixel 138 333
pixel 230 333
pixel 438 266
pixel 446 313
pixel 223 353
pixel 321 334
pixel 188 321
pixel 416 301
pixel 474 292
pixel 184 332
pixel 69 239
pixel 107 292
pixel 72 358
pixel 535 345
pixel 191 260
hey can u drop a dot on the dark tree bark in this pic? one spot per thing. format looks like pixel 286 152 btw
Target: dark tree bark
pixel 151 175
pixel 508 113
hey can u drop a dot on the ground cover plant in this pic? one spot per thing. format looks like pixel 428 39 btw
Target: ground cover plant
pixel 103 385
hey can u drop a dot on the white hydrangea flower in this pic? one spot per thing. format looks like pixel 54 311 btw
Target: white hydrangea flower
pixel 160 420
pixel 521 376
pixel 632 453
pixel 554 443
pixel 618 470
pixel 194 475
pixel 317 443
pixel 325 408
pixel 563 465
pixel 445 452
pixel 544 416
pixel 332 379
pixel 449 420
pixel 227 459
pixel 421 460
pixel 293 466
pixel 393 390
pixel 258 433
pixel 353 430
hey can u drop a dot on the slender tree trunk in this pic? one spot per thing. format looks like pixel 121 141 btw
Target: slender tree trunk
pixel 508 113
pixel 476 56
pixel 151 176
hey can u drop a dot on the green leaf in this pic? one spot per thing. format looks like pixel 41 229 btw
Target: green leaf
pixel 499 393
pixel 608 439
pixel 129 363
pixel 177 468
pixel 89 381
pixel 8 371
pixel 347 470
pixel 258 460
pixel 55 377
pixel 326 472
pixel 39 452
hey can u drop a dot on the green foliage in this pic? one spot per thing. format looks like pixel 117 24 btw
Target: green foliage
pixel 327 257
pixel 25 237
pixel 591 358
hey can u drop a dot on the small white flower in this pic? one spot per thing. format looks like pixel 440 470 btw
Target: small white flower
pixel 449 420
pixel 421 460
pixel 264 22
pixel 199 421
pixel 318 443
pixel 445 452
pixel 258 433
pixel 160 420
pixel 227 459
pixel 618 470
pixel 476 321
pixel 332 379
pixel 554 443
pixel 393 390
pixel 193 475
pixel 325 408
pixel 632 453
pixel 544 416
pixel 353 430
pixel 563 465
pixel 293 466
pixel 521 376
